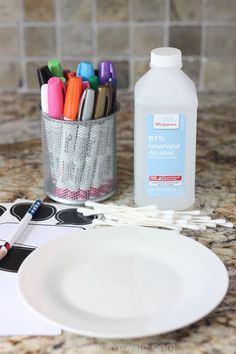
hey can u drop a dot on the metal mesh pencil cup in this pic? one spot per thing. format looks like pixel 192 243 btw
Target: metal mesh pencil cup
pixel 79 159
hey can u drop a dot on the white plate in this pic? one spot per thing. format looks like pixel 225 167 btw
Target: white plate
pixel 122 282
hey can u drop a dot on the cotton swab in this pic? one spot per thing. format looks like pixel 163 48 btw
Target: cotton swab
pixel 111 214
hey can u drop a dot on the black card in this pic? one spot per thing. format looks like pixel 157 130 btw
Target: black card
pixel 14 258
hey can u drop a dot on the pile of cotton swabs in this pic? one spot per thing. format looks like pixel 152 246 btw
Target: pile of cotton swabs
pixel 116 215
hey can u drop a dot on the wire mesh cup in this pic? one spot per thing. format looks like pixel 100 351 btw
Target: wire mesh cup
pixel 79 159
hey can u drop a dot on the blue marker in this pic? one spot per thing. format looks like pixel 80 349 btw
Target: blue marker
pixel 85 70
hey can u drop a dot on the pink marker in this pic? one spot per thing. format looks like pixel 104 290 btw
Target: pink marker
pixel 56 94
pixel 85 85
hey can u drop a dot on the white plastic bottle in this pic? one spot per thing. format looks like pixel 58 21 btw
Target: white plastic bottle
pixel 165 134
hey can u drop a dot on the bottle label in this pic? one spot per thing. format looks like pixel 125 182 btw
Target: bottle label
pixel 165 154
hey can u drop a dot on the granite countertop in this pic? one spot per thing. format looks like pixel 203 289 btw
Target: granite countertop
pixel 21 177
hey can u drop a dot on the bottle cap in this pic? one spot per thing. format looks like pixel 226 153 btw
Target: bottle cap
pixel 166 57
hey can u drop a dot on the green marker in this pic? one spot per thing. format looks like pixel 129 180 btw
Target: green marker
pixel 93 81
pixel 54 66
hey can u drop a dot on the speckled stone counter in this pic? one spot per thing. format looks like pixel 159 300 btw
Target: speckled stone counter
pixel 21 177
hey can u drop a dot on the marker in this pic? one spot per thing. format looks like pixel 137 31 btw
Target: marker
pixel 20 228
pixel 63 79
pixel 86 105
pixel 87 174
pixel 55 97
pixel 70 74
pixel 93 81
pixel 100 103
pixel 44 74
pixel 54 66
pixel 85 85
pixel 113 82
pixel 66 152
pixel 44 98
pixel 85 70
pixel 110 94
pixel 77 176
pixel 106 71
pixel 99 170
pixel 65 71
pixel 73 94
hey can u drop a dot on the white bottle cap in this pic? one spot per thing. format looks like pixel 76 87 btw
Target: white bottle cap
pixel 166 57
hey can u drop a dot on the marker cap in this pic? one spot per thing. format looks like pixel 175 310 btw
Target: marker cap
pixel 86 105
pixel 110 96
pixel 44 74
pixel 44 98
pixel 65 71
pixel 93 81
pixel 73 94
pixel 85 70
pixel 106 71
pixel 85 85
pixel 70 74
pixel 166 57
pixel 54 66
pixel 55 97
pixel 100 103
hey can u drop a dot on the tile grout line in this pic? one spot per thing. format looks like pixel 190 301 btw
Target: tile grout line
pixel 131 47
pixel 58 28
pixel 116 57
pixel 201 85
pixel 167 24
pixel 94 31
pixel 121 24
pixel 24 76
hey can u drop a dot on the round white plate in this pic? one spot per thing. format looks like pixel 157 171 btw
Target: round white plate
pixel 122 282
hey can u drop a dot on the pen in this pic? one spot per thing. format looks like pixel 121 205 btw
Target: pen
pixel 44 74
pixel 20 228
pixel 85 70
pixel 73 94
pixel 100 102
pixel 54 66
pixel 44 98
pixel 55 97
pixel 86 105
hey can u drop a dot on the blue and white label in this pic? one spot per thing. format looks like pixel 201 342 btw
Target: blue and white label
pixel 165 153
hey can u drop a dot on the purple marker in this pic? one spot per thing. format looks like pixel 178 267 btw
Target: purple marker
pixel 106 72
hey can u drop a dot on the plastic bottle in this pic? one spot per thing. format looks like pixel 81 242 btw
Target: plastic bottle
pixel 165 133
